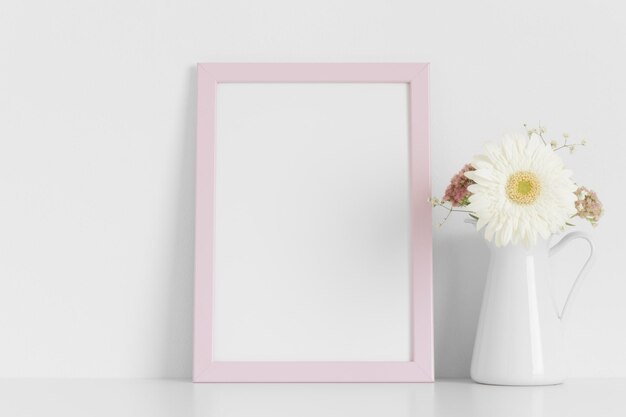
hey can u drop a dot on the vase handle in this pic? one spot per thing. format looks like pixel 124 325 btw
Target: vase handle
pixel 558 247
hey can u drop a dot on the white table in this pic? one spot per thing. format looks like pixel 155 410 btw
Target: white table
pixel 176 398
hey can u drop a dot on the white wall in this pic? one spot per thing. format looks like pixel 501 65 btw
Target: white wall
pixel 97 104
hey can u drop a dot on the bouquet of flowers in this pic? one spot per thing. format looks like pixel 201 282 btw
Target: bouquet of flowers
pixel 519 190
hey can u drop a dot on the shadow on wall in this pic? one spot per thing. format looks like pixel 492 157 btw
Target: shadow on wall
pixel 460 272
pixel 176 347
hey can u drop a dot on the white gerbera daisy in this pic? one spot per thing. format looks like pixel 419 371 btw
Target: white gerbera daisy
pixel 521 191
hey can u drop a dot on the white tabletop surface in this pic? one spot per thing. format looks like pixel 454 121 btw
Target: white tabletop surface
pixel 177 398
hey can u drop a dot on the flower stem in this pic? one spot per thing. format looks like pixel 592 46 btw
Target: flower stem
pixel 450 210
pixel 567 146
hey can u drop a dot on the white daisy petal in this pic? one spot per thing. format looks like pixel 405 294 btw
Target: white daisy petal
pixel 521 191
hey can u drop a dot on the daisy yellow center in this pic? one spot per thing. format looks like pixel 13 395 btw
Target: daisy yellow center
pixel 523 187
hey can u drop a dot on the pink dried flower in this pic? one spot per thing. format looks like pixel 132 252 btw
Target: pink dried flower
pixel 588 206
pixel 457 193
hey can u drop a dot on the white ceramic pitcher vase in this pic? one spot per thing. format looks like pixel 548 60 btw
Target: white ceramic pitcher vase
pixel 519 340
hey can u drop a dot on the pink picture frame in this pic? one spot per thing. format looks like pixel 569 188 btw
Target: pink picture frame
pixel 420 367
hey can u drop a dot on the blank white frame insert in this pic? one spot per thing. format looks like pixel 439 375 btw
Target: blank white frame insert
pixel 312 222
